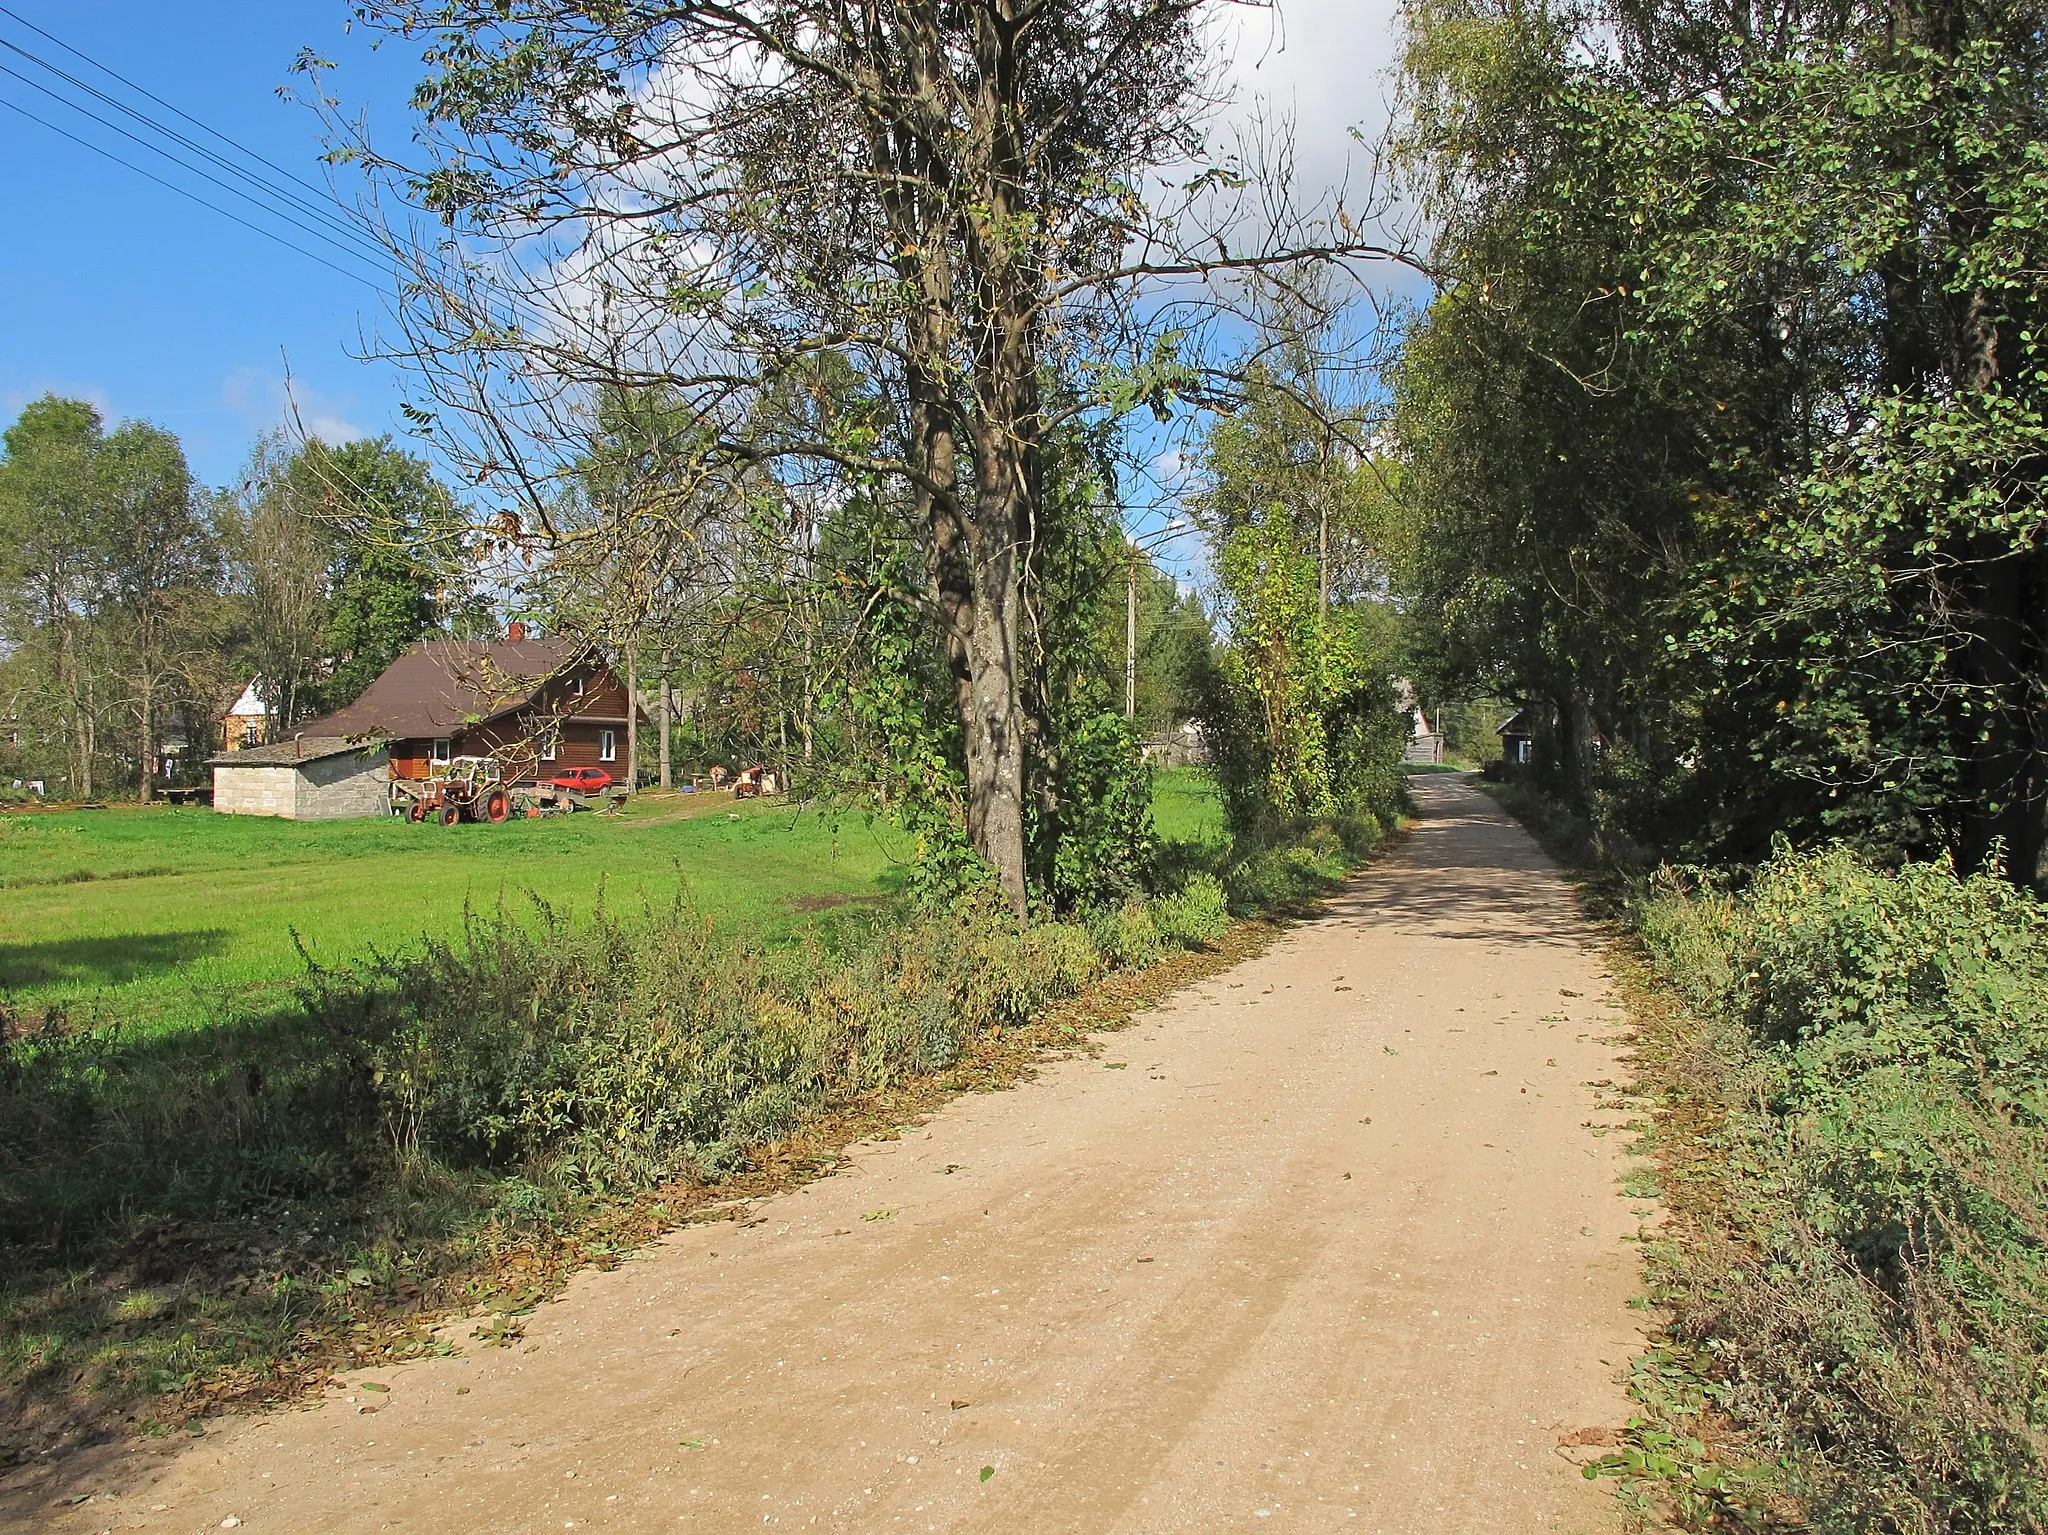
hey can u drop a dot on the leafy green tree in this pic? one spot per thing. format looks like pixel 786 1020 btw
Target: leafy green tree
pixel 109 586
pixel 960 197
pixel 162 566
pixel 281 553
pixel 400 569
pixel 50 579
pixel 1298 711
pixel 1724 423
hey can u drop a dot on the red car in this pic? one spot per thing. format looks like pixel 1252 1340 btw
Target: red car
pixel 584 780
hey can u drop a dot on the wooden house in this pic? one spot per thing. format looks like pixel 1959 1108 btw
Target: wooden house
pixel 1518 736
pixel 537 706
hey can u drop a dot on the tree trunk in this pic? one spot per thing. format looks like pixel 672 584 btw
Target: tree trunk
pixel 148 743
pixel 667 706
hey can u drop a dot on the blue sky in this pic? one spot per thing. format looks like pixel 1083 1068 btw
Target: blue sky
pixel 118 291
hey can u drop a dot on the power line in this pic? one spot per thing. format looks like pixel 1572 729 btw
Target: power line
pixel 291 199
pixel 143 91
pixel 156 149
pixel 172 186
pixel 355 243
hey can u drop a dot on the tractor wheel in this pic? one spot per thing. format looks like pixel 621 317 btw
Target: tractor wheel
pixel 498 806
pixel 418 812
pixel 450 814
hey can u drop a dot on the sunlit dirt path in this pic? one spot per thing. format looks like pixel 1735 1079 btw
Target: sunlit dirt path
pixel 1325 1243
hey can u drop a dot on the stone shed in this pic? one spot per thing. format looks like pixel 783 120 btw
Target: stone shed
pixel 315 778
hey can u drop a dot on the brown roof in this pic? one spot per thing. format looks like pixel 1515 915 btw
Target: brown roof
pixel 287 753
pixel 441 686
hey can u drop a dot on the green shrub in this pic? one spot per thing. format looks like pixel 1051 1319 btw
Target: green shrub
pixel 1194 916
pixel 1126 935
pixel 1885 1098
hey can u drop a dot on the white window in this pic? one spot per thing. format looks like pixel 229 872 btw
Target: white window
pixel 441 751
pixel 252 732
pixel 607 746
pixel 548 746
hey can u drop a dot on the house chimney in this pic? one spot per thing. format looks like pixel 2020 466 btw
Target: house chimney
pixel 515 631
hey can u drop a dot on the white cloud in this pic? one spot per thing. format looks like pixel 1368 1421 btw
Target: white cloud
pixel 262 399
pixel 1326 65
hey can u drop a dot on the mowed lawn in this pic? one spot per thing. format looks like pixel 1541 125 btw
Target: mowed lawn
pixel 164 918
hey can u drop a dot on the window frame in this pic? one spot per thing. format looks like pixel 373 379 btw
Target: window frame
pixel 443 750
pixel 607 746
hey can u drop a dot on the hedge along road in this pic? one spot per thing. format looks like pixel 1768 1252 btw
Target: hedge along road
pixel 1322 1243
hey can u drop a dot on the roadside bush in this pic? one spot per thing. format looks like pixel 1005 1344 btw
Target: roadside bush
pixel 1881 1077
pixel 1195 915
pixel 623 1054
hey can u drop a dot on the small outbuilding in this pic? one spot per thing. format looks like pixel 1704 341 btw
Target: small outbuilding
pixel 1518 736
pixel 313 778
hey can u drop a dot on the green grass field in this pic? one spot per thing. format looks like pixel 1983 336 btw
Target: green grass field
pixel 156 916
pixel 163 918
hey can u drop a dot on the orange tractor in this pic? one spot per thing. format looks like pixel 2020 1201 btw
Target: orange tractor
pixel 464 789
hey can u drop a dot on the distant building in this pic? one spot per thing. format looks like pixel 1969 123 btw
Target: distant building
pixel 1425 746
pixel 1518 736
pixel 245 721
pixel 536 706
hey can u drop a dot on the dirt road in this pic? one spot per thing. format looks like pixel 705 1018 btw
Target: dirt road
pixel 1322 1244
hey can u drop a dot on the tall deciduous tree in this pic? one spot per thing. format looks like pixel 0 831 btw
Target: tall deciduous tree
pixel 283 550
pixel 49 574
pixel 949 194
pixel 161 563
pixel 401 566
pixel 1728 419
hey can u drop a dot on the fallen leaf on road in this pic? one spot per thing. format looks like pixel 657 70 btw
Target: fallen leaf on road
pixel 987 1472
pixel 876 1215
pixel 1115 1065
pixel 692 1444
pixel 371 1385
pixel 1144 1260
pixel 958 1404
pixel 1579 1436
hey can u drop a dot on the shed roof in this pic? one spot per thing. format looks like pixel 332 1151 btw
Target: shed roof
pixel 288 753
pixel 1516 724
pixel 441 686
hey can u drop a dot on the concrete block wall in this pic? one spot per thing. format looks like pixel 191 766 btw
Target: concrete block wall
pixel 255 790
pixel 344 788
pixel 347 787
